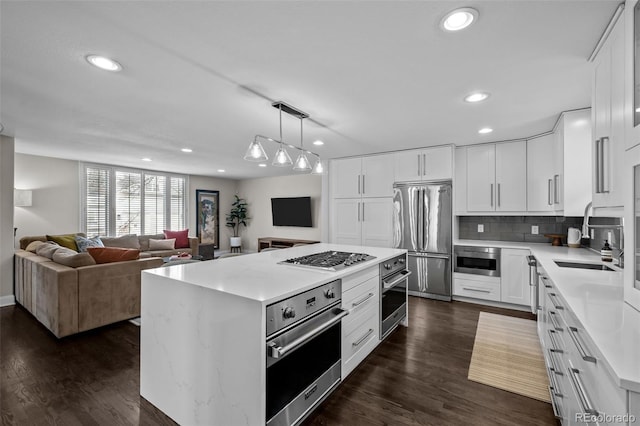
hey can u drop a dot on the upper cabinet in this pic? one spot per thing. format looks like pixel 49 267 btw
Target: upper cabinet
pixel 497 177
pixel 608 120
pixel 632 72
pixel 370 176
pixel 542 174
pixel 424 164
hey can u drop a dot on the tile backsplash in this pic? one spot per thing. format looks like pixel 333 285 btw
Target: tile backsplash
pixel 515 228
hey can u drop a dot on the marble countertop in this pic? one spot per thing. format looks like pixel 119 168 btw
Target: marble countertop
pixel 259 277
pixel 596 299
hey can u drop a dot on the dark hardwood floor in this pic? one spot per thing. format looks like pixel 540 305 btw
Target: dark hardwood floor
pixel 418 376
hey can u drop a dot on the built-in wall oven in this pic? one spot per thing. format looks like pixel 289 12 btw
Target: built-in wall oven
pixel 393 293
pixel 477 260
pixel 303 352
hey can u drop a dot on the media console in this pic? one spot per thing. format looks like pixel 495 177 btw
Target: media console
pixel 267 242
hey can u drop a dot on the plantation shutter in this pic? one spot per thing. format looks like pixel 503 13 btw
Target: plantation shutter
pixel 177 204
pixel 128 202
pixel 96 201
pixel 155 190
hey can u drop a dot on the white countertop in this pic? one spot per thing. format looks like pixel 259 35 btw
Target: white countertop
pixel 596 299
pixel 259 277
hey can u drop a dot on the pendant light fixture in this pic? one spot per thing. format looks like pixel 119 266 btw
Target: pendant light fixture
pixel 256 152
pixel 302 163
pixel 282 158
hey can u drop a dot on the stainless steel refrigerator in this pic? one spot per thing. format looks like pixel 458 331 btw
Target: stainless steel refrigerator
pixel 422 225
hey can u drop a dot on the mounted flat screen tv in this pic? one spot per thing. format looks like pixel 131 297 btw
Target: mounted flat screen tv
pixel 292 211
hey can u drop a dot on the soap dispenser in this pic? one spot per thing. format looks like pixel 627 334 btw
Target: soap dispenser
pixel 606 253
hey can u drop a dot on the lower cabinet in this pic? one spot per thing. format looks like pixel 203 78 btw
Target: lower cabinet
pixel 361 328
pixel 514 277
pixel 476 286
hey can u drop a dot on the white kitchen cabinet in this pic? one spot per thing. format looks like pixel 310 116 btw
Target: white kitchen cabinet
pixel 370 176
pixel 497 177
pixel 608 121
pixel 632 62
pixel 514 271
pixel 541 170
pixel 460 181
pixel 362 221
pixel 424 164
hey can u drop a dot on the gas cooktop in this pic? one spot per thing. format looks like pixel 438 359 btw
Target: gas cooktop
pixel 328 260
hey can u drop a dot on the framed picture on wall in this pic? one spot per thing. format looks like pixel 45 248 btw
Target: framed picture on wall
pixel 207 217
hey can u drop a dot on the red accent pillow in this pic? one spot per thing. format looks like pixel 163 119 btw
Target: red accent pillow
pixel 182 237
pixel 112 254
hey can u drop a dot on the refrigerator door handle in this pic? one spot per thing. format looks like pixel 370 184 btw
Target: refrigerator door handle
pixel 431 255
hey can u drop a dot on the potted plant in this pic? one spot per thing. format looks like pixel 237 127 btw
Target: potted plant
pixel 237 216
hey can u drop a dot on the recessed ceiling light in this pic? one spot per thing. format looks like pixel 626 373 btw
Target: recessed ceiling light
pixel 186 150
pixel 104 63
pixel 637 109
pixel 318 142
pixel 459 19
pixel 221 170
pixel 476 97
pixel 262 165
pixel 485 130
pixel 146 159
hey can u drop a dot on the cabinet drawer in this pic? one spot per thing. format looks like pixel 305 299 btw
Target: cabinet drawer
pixel 361 297
pixel 357 278
pixel 359 338
pixel 487 290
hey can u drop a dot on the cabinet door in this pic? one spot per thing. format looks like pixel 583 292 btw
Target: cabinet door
pixel 377 222
pixel 481 168
pixel 437 163
pixel 408 165
pixel 377 176
pixel 345 176
pixel 540 168
pixel 345 221
pixel 460 181
pixel 511 177
pixel 616 145
pixel 558 168
pixel 515 277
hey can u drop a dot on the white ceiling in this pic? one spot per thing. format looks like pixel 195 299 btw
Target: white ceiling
pixel 375 76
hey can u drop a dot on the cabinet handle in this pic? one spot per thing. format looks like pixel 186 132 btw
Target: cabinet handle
pixel 597 164
pixel 556 189
pixel 556 411
pixel 491 195
pixel 361 301
pixel 418 155
pixel 363 211
pixel 498 195
pixel 476 289
pixel 554 385
pixel 358 184
pixel 554 321
pixel 363 338
pixel 573 332
pixel 363 190
pixel 554 345
pixel 587 406
pixel 603 173
pixel 424 164
pixel 554 366
pixel 555 302
pixel 358 211
pixel 549 184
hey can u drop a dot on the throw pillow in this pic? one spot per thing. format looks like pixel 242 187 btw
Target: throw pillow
pixel 168 244
pixel 65 240
pixel 33 246
pixel 112 254
pixel 182 237
pixel 72 259
pixel 47 250
pixel 84 243
pixel 125 241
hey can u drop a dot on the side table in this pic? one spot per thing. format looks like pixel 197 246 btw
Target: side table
pixel 235 249
pixel 206 251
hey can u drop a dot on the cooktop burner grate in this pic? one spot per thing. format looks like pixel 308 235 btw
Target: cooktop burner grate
pixel 329 260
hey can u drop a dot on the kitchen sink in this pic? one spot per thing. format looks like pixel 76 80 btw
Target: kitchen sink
pixel 594 266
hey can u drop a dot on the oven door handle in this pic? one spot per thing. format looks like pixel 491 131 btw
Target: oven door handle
pixel 280 351
pixel 403 275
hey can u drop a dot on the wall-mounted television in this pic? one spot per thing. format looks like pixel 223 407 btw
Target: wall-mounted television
pixel 291 211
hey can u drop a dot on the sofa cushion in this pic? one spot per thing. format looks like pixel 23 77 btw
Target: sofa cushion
pixel 47 250
pixel 70 258
pixel 182 237
pixel 126 241
pixel 65 240
pixel 144 240
pixel 112 254
pixel 33 246
pixel 84 243
pixel 168 244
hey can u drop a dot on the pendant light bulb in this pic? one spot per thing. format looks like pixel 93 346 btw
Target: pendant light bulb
pixel 302 164
pixel 282 158
pixel 317 168
pixel 255 152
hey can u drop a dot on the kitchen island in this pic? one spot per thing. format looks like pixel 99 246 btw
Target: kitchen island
pixel 204 326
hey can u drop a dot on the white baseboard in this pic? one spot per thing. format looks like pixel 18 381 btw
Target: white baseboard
pixel 7 300
pixel 492 303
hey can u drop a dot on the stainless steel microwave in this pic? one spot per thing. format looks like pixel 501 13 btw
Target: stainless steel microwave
pixel 477 260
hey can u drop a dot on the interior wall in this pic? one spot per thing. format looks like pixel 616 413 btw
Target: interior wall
pixel 258 193
pixel 56 195
pixel 7 146
pixel 227 188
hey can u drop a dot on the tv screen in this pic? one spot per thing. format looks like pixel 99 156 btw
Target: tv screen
pixel 293 211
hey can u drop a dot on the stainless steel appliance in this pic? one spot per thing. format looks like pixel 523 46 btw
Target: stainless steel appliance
pixel 533 283
pixel 303 352
pixel 477 260
pixel 422 225
pixel 328 260
pixel 393 294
